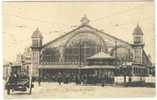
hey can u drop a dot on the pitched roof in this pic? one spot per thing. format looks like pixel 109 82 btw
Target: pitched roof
pixel 37 34
pixel 81 26
pixel 62 36
pixel 101 55
pixel 138 30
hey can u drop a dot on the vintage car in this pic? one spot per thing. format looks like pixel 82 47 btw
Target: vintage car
pixel 18 80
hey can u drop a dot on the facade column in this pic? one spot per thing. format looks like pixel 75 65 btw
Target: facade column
pixel 61 52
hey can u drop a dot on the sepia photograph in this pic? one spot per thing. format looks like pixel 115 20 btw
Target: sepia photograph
pixel 78 49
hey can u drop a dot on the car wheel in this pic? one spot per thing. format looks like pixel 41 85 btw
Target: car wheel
pixel 8 91
pixel 30 91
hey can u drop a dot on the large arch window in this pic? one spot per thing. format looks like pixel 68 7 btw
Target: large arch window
pixel 82 46
pixel 75 51
pixel 79 51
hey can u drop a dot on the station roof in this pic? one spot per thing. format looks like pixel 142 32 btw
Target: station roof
pixel 101 55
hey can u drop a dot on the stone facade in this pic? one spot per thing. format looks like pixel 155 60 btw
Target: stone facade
pixel 77 45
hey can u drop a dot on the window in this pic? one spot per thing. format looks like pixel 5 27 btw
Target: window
pixel 35 43
pixel 138 39
pixel 51 55
pixel 84 49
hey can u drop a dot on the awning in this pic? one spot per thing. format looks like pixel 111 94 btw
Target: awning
pixel 99 67
pixel 59 67
pixel 75 67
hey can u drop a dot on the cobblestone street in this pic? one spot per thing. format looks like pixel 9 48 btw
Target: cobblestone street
pixel 53 90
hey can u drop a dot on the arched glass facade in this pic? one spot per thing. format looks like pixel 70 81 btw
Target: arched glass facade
pixel 75 51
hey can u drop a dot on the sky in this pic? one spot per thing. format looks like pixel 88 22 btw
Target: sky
pixel 55 19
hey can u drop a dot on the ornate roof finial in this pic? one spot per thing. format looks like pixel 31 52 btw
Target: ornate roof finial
pixel 84 20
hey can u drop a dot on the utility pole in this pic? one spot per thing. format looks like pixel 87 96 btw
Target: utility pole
pixel 116 52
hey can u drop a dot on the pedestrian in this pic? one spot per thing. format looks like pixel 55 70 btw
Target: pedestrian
pixel 59 78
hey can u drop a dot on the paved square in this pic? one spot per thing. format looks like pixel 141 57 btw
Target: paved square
pixel 54 90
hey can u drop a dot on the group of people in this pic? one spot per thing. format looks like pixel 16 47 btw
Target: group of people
pixel 76 78
pixel 61 78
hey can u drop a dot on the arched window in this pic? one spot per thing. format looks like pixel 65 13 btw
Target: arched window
pixel 82 46
pixel 79 51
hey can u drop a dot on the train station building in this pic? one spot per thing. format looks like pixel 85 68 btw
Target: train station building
pixel 87 52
